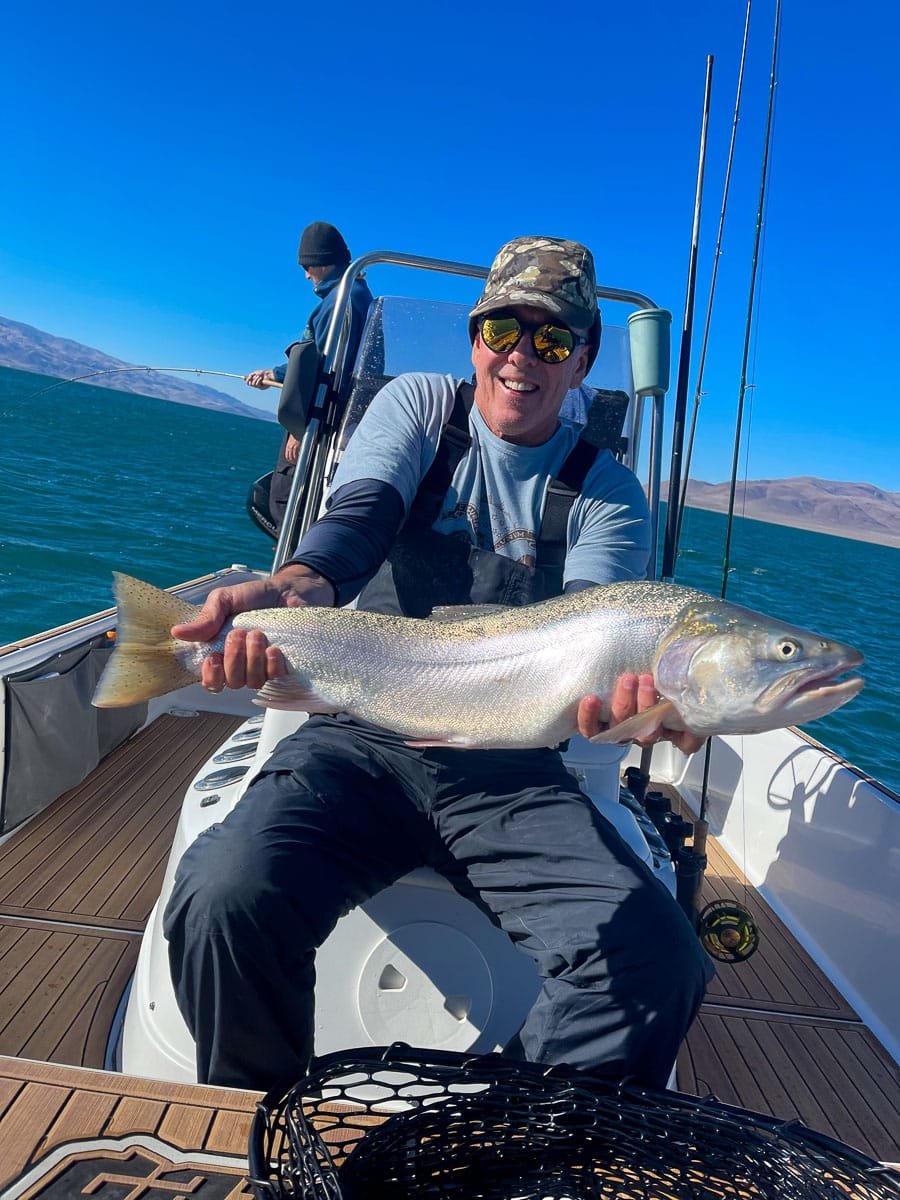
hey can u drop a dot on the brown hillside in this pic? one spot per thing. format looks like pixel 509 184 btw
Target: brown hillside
pixel 852 510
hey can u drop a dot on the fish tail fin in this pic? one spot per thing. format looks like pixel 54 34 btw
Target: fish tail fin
pixel 143 663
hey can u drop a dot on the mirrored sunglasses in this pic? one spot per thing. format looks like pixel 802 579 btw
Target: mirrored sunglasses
pixel 552 343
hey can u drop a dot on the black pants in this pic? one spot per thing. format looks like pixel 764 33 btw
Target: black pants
pixel 343 809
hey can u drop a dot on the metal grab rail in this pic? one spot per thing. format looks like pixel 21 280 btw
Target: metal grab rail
pixel 307 486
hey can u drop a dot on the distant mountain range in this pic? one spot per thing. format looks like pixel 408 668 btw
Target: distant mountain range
pixel 852 510
pixel 28 349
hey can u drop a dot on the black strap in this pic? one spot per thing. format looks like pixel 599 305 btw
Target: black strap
pixel 561 492
pixel 453 444
pixel 561 495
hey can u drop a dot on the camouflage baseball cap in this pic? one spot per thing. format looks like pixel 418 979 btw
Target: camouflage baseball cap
pixel 543 272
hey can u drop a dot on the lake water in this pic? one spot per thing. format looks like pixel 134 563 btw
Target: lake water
pixel 93 480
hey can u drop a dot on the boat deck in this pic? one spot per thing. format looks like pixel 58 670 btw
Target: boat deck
pixel 78 882
pixel 775 1036
pixel 67 1132
pixel 77 885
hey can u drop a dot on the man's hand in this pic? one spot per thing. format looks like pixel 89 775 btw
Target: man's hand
pixel 248 659
pixel 260 379
pixel 291 449
pixel 632 694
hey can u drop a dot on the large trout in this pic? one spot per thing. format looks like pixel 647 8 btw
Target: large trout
pixel 507 677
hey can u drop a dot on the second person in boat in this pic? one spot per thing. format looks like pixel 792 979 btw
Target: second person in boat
pixel 323 256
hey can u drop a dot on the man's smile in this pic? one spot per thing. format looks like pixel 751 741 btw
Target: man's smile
pixel 518 385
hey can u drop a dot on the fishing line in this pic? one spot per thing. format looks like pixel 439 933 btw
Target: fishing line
pixel 118 371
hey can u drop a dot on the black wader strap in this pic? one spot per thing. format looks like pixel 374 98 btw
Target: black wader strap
pixel 454 443
pixel 561 492
pixel 561 495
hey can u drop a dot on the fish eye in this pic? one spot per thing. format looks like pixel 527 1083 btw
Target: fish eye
pixel 787 649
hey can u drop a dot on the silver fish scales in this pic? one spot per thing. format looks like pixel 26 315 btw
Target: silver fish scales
pixel 509 677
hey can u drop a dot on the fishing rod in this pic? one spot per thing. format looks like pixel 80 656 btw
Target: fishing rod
pixel 748 331
pixel 683 365
pixel 689 861
pixel 751 298
pixel 704 342
pixel 681 387
pixel 724 925
pixel 124 370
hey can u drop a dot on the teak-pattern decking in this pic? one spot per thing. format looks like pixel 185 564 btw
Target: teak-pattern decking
pixel 78 882
pixel 77 885
pixel 774 1035
pixel 78 1129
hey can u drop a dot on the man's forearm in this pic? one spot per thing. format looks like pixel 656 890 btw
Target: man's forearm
pixel 349 542
pixel 300 584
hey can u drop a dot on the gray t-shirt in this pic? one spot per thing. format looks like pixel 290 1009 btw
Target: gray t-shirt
pixel 497 494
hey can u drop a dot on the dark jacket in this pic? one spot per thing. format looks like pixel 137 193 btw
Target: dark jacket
pixel 316 329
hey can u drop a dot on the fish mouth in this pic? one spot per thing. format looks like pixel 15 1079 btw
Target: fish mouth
pixel 813 692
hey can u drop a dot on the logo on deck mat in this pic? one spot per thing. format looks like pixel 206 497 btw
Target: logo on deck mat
pixel 131 1168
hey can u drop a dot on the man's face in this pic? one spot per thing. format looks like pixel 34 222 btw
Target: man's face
pixel 518 395
pixel 316 274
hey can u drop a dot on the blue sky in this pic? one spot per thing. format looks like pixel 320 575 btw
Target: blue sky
pixel 160 162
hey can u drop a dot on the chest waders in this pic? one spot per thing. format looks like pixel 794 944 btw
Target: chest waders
pixel 425 569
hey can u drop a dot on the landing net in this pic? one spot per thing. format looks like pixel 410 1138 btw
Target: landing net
pixel 390 1124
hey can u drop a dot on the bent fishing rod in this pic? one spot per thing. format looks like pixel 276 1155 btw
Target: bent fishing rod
pixel 125 370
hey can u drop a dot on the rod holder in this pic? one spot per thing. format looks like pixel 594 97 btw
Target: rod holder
pixel 649 335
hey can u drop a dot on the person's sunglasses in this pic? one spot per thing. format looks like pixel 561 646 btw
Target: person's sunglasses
pixel 552 343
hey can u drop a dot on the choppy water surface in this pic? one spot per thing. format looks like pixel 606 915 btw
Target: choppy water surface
pixel 93 480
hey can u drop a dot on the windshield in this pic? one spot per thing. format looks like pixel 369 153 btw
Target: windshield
pixel 403 335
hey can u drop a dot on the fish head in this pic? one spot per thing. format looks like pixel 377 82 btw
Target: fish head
pixel 728 669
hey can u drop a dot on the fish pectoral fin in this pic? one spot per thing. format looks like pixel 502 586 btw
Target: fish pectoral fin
pixel 293 694
pixel 641 725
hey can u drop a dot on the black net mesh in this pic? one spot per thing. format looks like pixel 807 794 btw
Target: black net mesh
pixel 402 1123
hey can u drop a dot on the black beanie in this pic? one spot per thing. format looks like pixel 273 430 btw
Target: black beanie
pixel 321 245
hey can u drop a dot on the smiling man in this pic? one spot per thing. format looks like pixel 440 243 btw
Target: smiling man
pixel 543 286
pixel 449 492
pixel 463 469
pixel 518 391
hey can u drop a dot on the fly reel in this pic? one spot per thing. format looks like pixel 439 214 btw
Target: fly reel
pixel 727 931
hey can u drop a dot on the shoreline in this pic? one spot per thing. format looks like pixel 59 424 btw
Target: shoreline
pixel 853 535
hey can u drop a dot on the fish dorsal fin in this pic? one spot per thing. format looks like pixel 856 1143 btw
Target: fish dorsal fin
pixel 443 614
